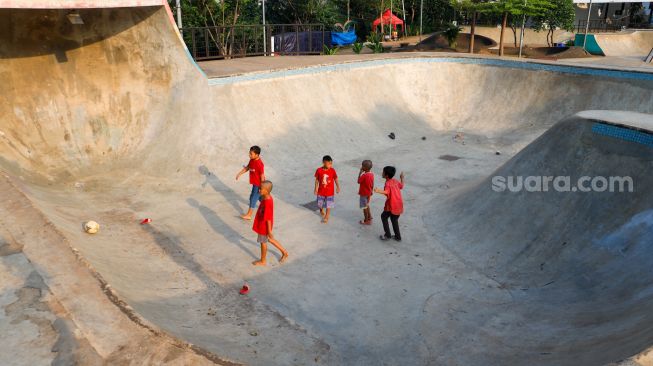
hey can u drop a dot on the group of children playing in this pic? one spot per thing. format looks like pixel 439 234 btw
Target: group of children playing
pixel 326 186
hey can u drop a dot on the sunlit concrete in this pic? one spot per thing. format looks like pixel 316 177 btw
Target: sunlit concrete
pixel 94 128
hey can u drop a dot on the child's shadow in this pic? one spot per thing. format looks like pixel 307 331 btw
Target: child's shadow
pixel 221 227
pixel 227 193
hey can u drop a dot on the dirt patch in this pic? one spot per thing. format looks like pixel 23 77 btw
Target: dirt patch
pixel 546 53
pixel 437 42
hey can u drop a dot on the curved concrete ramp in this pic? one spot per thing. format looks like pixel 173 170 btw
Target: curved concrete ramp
pixel 112 121
pixel 580 260
pixel 626 44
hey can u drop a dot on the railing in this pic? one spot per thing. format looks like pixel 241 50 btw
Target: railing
pixel 598 26
pixel 223 42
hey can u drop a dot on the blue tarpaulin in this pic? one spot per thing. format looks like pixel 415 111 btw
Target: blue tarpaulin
pixel 343 38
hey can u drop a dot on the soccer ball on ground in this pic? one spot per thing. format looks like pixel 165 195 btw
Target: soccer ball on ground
pixel 91 227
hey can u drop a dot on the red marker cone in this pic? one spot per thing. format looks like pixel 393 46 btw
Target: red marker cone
pixel 245 289
pixel 146 221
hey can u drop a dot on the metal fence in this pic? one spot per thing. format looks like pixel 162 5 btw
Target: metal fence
pixel 223 42
pixel 598 26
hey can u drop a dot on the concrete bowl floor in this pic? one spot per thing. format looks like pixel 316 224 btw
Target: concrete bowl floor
pixel 117 136
pixel 343 293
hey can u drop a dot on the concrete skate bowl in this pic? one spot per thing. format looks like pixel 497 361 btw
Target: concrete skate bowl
pixel 124 126
pixel 581 266
pixel 635 44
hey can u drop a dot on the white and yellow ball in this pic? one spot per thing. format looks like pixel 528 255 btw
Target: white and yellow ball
pixel 91 227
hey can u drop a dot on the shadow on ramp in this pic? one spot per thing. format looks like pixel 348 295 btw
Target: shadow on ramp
pixel 569 272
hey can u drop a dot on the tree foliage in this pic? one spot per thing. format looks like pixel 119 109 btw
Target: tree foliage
pixel 209 13
pixel 222 15
pixel 437 14
pixel 516 9
pixel 302 11
pixel 559 14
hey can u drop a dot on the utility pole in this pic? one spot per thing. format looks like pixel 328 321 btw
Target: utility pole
pixel 265 37
pixel 403 9
pixel 178 7
pixel 421 11
pixel 523 24
pixel 587 25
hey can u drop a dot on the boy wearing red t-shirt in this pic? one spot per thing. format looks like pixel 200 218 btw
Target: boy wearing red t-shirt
pixel 394 204
pixel 366 185
pixel 263 222
pixel 325 178
pixel 256 171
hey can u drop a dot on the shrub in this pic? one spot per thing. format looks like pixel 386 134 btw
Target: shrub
pixel 357 47
pixel 330 51
pixel 374 37
pixel 451 34
pixel 375 47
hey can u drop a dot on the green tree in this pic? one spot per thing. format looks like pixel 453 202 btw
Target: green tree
pixel 437 15
pixel 302 11
pixel 516 9
pixel 361 12
pixel 223 16
pixel 470 7
pixel 210 13
pixel 559 14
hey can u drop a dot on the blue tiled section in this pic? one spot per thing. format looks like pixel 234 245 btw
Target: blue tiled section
pixel 632 75
pixel 193 61
pixel 623 134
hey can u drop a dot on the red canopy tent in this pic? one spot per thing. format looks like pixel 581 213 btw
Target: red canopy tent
pixel 388 18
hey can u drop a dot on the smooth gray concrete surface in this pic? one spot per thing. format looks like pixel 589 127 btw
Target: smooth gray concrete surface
pixel 95 128
pixel 631 43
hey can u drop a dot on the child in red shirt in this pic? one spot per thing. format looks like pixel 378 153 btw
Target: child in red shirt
pixel 325 177
pixel 263 222
pixel 394 204
pixel 366 185
pixel 256 171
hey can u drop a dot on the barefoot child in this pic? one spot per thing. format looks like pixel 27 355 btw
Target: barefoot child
pixel 263 222
pixel 325 177
pixel 366 184
pixel 256 171
pixel 394 204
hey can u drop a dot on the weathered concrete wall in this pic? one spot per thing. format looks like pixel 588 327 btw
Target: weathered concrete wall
pixel 93 93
